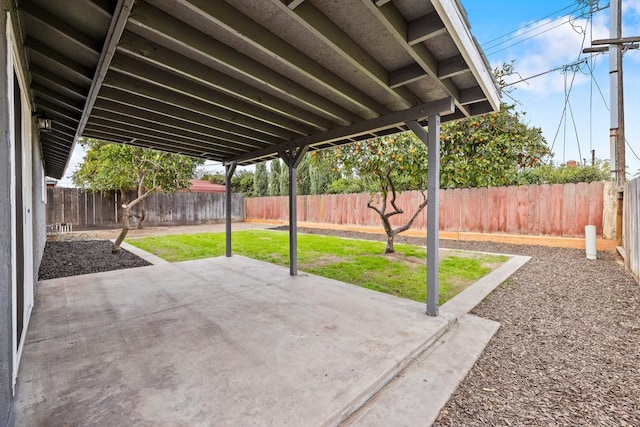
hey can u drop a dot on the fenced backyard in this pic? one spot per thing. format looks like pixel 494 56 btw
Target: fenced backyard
pixel 560 210
pixel 91 210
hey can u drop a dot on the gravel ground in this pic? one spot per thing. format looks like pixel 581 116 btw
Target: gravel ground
pixel 74 257
pixel 567 353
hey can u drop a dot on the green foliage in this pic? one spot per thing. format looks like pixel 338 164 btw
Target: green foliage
pixel 274 177
pixel 108 167
pixel 261 180
pixel 216 178
pixel 383 165
pixel 354 261
pixel 489 150
pixel 346 185
pixel 551 174
pixel 284 181
pixel 243 182
pixel 303 177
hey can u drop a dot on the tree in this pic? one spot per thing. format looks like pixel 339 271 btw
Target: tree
pixel 243 182
pixel 387 165
pixel 563 174
pixel 489 150
pixel 284 181
pixel 274 177
pixel 261 180
pixel 303 178
pixel 118 167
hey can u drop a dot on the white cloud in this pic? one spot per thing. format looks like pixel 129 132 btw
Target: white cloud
pixel 550 44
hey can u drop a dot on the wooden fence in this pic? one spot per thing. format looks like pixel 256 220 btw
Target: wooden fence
pixel 631 227
pixel 88 210
pixel 538 210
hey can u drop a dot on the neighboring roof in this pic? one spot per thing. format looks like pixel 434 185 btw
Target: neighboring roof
pixel 243 80
pixel 204 186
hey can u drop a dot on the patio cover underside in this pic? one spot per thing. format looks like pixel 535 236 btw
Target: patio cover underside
pixel 244 81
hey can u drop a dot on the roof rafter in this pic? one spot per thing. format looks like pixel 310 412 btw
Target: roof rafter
pixel 153 91
pixel 226 16
pixel 393 20
pixel 167 28
pixel 322 27
pixel 366 127
pixel 141 49
pixel 110 109
pixel 203 118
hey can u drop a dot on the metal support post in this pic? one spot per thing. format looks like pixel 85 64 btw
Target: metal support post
pixel 432 140
pixel 292 159
pixel 229 170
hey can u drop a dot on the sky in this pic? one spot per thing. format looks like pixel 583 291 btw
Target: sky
pixel 570 104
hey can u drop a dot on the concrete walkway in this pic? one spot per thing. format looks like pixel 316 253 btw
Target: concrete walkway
pixel 234 341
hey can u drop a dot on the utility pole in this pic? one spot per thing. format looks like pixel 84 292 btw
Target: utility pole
pixel 616 46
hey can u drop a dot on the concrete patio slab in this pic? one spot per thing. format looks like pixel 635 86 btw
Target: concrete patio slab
pixel 415 397
pixel 220 341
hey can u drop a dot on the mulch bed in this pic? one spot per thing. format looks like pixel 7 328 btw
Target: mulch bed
pixel 567 351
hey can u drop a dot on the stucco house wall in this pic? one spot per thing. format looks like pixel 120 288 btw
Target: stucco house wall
pixel 22 213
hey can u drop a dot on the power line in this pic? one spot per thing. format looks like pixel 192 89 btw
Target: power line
pixel 487 45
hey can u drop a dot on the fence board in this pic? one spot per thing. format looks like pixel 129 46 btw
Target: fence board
pixel 557 193
pixel 83 209
pixel 631 227
pixel 533 212
pixel 558 210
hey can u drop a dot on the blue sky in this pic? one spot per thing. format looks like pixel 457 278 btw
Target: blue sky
pixel 542 35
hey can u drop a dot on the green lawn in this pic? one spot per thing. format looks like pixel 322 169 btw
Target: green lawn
pixel 359 262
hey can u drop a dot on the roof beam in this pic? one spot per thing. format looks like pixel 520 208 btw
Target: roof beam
pixel 62 61
pixel 326 30
pixel 472 95
pixel 110 109
pixel 161 57
pixel 153 23
pixel 115 135
pixel 395 23
pixel 391 120
pixel 56 98
pixel 227 17
pixel 152 91
pixel 406 75
pixel 157 76
pixel 61 28
pixel 140 132
pixel 54 109
pixel 60 84
pixel 424 28
pixel 119 20
pixel 203 118
pixel 451 67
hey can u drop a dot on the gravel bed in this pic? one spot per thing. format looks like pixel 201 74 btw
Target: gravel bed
pixel 71 258
pixel 567 351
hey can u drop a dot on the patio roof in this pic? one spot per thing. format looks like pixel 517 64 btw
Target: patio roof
pixel 243 81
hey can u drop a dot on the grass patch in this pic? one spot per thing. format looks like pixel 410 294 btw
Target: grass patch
pixel 359 262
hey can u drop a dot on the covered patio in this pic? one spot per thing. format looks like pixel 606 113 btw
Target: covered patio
pixel 242 82
pixel 236 82
pixel 234 341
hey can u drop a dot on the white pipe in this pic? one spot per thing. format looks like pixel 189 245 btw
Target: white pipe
pixel 590 240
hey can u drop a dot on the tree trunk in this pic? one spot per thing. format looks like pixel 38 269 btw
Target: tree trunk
pixel 141 217
pixel 125 229
pixel 389 249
